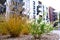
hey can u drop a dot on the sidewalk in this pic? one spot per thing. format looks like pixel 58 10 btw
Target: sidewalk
pixel 56 32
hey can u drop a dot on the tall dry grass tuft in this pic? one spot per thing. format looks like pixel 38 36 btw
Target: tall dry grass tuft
pixel 17 25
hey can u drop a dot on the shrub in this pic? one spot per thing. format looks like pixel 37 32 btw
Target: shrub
pixel 40 28
pixel 17 25
pixel 25 28
pixel 3 30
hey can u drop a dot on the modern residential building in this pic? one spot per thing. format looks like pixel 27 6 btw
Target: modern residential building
pixel 35 9
pixel 39 9
pixel 26 7
pixel 52 14
pixel 13 6
pixel 46 14
pixel 30 8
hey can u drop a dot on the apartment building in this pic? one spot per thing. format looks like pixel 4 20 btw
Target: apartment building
pixel 52 14
pixel 46 14
pixel 35 9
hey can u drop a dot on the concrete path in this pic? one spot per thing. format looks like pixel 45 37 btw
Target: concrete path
pixel 56 32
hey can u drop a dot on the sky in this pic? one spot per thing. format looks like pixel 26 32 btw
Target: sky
pixel 53 3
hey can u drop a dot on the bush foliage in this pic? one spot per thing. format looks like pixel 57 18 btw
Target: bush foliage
pixel 3 30
pixel 18 25
pixel 40 27
pixel 15 26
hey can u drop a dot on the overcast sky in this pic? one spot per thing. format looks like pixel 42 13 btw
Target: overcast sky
pixel 53 3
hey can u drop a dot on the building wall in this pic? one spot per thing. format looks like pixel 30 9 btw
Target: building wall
pixel 52 14
pixel 31 9
pixel 13 6
pixel 26 6
pixel 46 14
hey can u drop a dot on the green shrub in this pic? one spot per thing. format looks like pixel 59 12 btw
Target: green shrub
pixel 3 30
pixel 40 27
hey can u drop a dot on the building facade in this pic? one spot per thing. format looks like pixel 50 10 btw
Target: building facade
pixel 52 14
pixel 13 6
pixel 30 8
pixel 33 8
pixel 46 14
